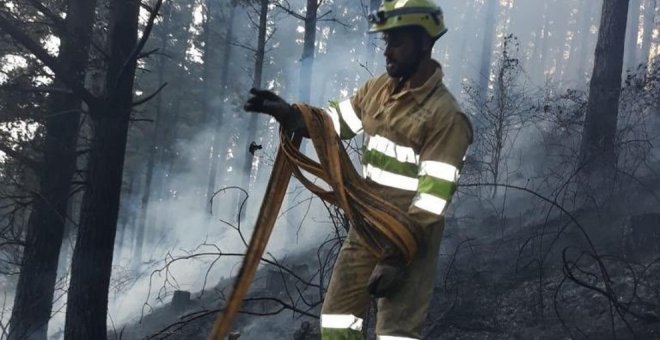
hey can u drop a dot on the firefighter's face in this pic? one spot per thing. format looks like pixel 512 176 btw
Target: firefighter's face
pixel 403 51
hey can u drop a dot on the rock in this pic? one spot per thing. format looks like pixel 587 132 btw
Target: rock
pixel 641 235
pixel 307 332
pixel 275 280
pixel 180 300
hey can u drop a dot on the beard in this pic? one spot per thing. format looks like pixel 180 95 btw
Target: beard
pixel 401 69
pixel 404 69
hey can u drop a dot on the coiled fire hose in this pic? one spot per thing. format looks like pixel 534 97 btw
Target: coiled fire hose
pixel 382 225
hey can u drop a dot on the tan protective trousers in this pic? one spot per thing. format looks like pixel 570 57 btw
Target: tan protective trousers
pixel 400 316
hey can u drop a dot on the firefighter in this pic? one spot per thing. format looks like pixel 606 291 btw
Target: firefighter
pixel 415 139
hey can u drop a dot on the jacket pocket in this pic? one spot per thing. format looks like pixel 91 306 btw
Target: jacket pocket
pixel 408 130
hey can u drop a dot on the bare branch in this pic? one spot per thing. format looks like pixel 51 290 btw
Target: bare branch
pixel 323 15
pixel 22 38
pixel 149 97
pixel 149 120
pixel 290 11
pixel 33 164
pixel 269 36
pixel 241 45
pixel 41 89
pixel 335 20
pixel 252 20
pixel 135 55
pixel 56 19
pixel 150 25
pixel 147 53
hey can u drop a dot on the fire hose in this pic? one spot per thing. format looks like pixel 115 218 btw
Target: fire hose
pixel 383 226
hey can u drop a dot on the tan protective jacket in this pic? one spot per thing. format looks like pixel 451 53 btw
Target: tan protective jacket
pixel 414 142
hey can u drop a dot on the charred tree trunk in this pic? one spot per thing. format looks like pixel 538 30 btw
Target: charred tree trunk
pixel 87 302
pixel 597 146
pixel 34 294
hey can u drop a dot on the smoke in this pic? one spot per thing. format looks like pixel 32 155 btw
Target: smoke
pixel 179 224
pixel 183 242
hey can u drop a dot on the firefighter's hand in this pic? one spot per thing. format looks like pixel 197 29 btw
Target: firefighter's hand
pixel 386 278
pixel 269 103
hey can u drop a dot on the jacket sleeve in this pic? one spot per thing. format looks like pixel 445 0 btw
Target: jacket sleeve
pixel 346 115
pixel 441 159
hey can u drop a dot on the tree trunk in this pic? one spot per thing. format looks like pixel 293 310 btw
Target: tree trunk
pixel 571 34
pixel 630 53
pixel 252 127
pixel 579 55
pixel 307 59
pixel 34 293
pixel 155 142
pixel 597 147
pixel 459 58
pixel 125 224
pixel 217 138
pixel 87 302
pixel 538 68
pixel 647 35
pixel 261 44
pixel 168 156
pixel 211 99
pixel 371 38
pixel 487 47
pixel 544 50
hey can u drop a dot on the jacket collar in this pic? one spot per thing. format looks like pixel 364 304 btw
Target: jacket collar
pixel 421 92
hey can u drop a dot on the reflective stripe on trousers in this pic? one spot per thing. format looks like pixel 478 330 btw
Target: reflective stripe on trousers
pixel 341 327
pixel 341 321
pixel 347 327
pixel 400 316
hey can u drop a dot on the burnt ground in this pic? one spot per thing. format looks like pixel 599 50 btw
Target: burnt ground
pixel 500 291
pixel 497 278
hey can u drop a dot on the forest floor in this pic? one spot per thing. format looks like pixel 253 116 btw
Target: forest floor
pixel 492 290
pixel 497 278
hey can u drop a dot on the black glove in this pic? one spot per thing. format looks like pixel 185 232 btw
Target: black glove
pixel 387 277
pixel 271 104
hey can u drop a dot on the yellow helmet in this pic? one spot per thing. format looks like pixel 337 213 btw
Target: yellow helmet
pixel 399 13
